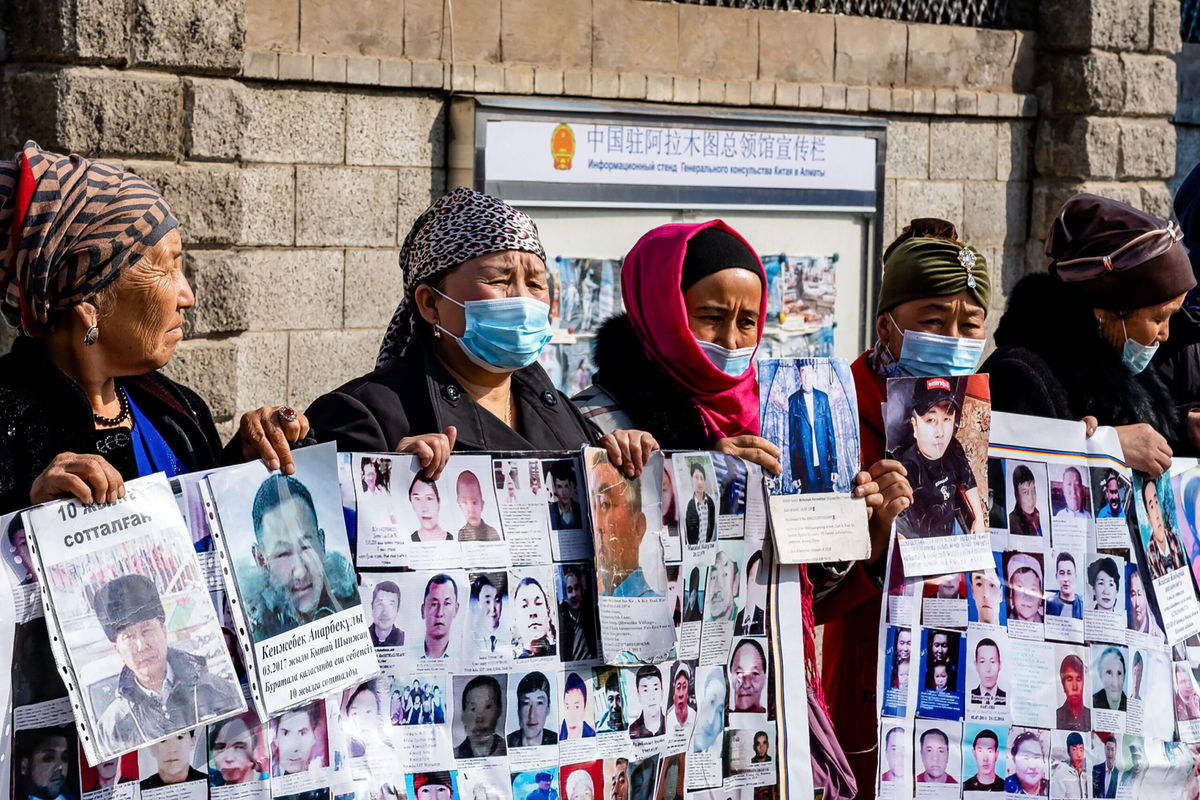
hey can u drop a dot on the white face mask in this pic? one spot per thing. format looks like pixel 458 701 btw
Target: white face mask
pixel 733 363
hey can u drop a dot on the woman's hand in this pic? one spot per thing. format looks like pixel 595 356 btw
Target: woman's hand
pixel 887 491
pixel 88 478
pixel 1145 449
pixel 752 448
pixel 266 433
pixel 431 449
pixel 629 450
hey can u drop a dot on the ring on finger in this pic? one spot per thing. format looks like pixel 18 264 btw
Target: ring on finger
pixel 287 414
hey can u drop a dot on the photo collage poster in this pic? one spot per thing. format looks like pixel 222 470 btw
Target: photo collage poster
pixel 1047 671
pixel 488 678
pixel 808 410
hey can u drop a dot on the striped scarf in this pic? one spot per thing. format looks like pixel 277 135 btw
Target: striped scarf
pixel 68 226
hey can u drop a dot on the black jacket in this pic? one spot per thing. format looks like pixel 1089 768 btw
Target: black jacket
pixel 43 413
pixel 415 395
pixel 1178 360
pixel 1052 361
pixel 654 401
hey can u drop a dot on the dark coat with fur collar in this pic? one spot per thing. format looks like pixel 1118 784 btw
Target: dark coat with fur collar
pixel 1052 361
pixel 653 399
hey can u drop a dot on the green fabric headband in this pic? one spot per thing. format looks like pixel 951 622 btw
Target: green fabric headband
pixel 924 266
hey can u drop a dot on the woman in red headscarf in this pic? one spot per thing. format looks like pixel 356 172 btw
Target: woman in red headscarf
pixel 679 364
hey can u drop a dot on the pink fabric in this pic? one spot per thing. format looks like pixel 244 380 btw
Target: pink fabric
pixel 650 279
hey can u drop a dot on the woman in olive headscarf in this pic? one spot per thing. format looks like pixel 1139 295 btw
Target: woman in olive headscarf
pixel 91 273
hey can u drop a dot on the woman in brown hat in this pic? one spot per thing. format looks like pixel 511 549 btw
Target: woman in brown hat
pixel 1075 343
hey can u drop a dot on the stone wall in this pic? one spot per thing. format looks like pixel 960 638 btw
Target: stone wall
pixel 298 138
pixel 1187 114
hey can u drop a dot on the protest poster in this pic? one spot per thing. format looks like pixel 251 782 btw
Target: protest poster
pixel 938 429
pixel 808 410
pixel 1070 683
pixel 127 609
pixel 1157 541
pixel 290 581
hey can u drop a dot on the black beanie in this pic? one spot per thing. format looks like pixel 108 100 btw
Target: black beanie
pixel 712 250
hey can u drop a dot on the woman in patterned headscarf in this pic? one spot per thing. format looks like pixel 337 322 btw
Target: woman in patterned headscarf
pixel 90 272
pixel 458 368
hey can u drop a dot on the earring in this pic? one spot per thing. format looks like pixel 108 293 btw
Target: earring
pixel 92 334
pixel 437 334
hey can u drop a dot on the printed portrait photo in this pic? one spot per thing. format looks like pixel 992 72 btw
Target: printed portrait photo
pixel 675 594
pixel 45 762
pixel 1028 498
pixel 1186 488
pixel 178 759
pixel 364 714
pixel 287 540
pixel 997 495
pixel 985 598
pixel 1187 694
pixel 731 477
pixel 694 578
pixel 608 700
pixel 642 776
pixel 565 498
pixel 375 496
pixel 15 549
pixel 745 749
pixel 478 716
pixel 942 674
pixel 459 506
pixel 724 583
pixel 539 784
pixel 1150 685
pixel 532 612
pixel 382 594
pixel 482 783
pixel 532 709
pixel 1070 492
pixel 522 480
pixel 897 668
pixel 699 498
pixel 1069 775
pixel 808 410
pixel 578 622
pixel 894 745
pixel 748 677
pixel 1062 585
pixel 1105 588
pixel 1142 618
pixel 431 607
pixel 987 676
pixel 630 562
pixel 237 751
pixel 1072 690
pixel 671 777
pixel 421 700
pixel 616 779
pixel 1106 772
pixel 437 785
pixel 951 586
pixel 107 774
pixel 1109 492
pixel 646 702
pixel 585 781
pixel 1108 677
pixel 490 610
pixel 1023 573
pixel 299 740
pixel 1027 762
pixel 983 749
pixel 751 619
pixel 711 691
pixel 578 709
pixel 937 428
pixel 1157 526
pixel 939 754
pixel 681 709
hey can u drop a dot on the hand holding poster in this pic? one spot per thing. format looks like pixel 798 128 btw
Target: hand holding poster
pixel 129 610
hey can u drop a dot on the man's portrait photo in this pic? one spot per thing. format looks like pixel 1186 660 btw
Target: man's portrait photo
pixel 1073 714
pixel 651 721
pixel 609 702
pixel 438 610
pixel 681 713
pixel 937 758
pixel 566 514
pixel 489 596
pixel 577 711
pixel 478 716
pixel 385 613
pixel 983 754
pixel 1064 599
pixel 986 666
pixel 710 706
pixel 45 764
pixel 299 740
pixel 160 689
pixel 173 761
pixel 1158 526
pixel 578 622
pixel 1109 492
pixel 532 721
pixel 724 584
pixel 237 751
pixel 895 751
pixel 751 619
pixel 731 483
pixel 108 774
pixel 1027 514
pixel 536 784
pixel 15 548
pixel 1070 492
pixel 813 450
pixel 693 593
pixel 985 595
pixel 699 487
pixel 626 568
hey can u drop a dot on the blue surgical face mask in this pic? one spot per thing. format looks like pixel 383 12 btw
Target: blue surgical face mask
pixel 502 334
pixel 733 363
pixel 1135 355
pixel 932 355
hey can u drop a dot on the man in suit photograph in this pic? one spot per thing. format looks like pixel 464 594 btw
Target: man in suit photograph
pixel 1106 775
pixel 701 520
pixel 987 666
pixel 811 434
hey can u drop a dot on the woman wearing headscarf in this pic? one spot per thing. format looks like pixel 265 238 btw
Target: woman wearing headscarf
pixel 90 273
pixel 679 364
pixel 458 367
pixel 1075 342
pixel 933 301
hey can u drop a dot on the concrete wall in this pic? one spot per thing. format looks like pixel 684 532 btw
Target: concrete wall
pixel 298 139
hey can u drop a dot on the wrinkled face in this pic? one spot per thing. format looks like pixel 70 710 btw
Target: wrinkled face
pixel 1105 589
pixel 616 519
pixel 532 617
pixel 425 504
pixel 620 782
pixel 1027 594
pixel 470 501
pixel 1072 683
pixel 1072 488
pixel 1065 574
pixel 1112 674
pixel 480 713
pixel 987 666
pixel 384 608
pixel 680 692
pixel 985 590
pixel 508 273
pixel 985 757
pixel 941 677
pixel 1031 764
pixel 722 588
pixel 439 610
pixel 573 589
pixel 293 552
pixel 143 326
pixel 1076 753
pixel 534 708
pixel 143 648
pixel 46 767
pixel 574 709
pixel 295 738
pixel 935 753
pixel 1112 494
pixel 1144 325
pixel 934 430
pixel 1137 599
pixel 233 752
pixel 489 603
pixel 174 757
pixel 904 644
pixel 649 691
pixel 723 307
pixel 958 315
pixel 1027 496
pixel 749 675
pixel 940 646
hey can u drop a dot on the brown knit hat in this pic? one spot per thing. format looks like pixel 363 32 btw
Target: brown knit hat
pixel 1116 256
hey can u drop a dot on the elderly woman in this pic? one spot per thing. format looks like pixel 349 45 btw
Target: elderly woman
pixel 679 364
pixel 458 368
pixel 1075 343
pixel 91 273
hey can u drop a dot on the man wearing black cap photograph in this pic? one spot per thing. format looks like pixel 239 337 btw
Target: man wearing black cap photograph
pixel 945 496
pixel 160 689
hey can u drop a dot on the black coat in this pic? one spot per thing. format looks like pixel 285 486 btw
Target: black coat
pixel 1178 360
pixel 415 395
pixel 1052 361
pixel 43 413
pixel 653 400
